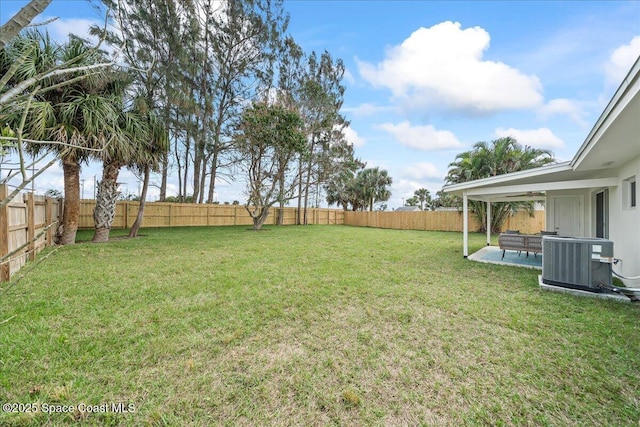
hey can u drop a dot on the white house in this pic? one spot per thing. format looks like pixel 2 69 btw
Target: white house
pixel 593 195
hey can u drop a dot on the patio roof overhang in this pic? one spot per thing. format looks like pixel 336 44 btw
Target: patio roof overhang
pixel 532 184
pixel 613 141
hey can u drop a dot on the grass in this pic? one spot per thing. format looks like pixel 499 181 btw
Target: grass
pixel 318 325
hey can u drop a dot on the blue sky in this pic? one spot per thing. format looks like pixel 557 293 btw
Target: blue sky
pixel 426 80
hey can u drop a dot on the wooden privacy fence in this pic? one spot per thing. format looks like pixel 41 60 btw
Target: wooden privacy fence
pixel 28 224
pixel 159 214
pixel 439 221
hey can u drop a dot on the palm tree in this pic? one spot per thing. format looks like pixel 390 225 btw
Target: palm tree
pixel 423 196
pixel 340 191
pixel 150 155
pixel 125 147
pixel 141 145
pixel 341 185
pixel 412 201
pixel 371 184
pixel 73 120
pixel 503 155
pixel 446 200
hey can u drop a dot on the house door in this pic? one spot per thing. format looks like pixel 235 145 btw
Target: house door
pixel 567 216
pixel 602 214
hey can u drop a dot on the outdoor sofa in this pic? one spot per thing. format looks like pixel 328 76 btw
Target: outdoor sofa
pixel 514 241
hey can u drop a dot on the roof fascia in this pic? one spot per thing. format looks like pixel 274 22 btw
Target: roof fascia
pixel 503 198
pixel 594 136
pixel 498 179
pixel 544 186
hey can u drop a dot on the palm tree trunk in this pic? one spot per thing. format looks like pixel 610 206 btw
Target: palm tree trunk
pixel 71 170
pixel 105 210
pixel 138 223
pixel 21 20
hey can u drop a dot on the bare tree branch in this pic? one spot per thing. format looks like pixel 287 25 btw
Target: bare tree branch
pixel 20 129
pixel 64 144
pixel 8 256
pixel 20 187
pixel 42 24
pixel 25 84
pixel 11 176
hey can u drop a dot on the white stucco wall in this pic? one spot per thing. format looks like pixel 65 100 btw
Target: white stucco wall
pixel 624 223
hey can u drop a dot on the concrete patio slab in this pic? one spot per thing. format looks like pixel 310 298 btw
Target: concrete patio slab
pixel 493 255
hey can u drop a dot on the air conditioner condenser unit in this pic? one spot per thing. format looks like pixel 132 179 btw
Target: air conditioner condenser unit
pixel 579 263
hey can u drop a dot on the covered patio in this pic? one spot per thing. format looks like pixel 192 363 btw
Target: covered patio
pixel 493 255
pixel 593 194
pixel 532 185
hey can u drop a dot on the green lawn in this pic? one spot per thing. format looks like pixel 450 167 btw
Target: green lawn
pixel 318 325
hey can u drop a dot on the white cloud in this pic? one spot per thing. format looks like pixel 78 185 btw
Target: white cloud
pixel 172 190
pixel 421 137
pixel 52 178
pixel 621 60
pixel 352 137
pixel 153 194
pixel 366 109
pixel 536 138
pixel 405 188
pixel 423 170
pixel 442 67
pixel 61 28
pixel 348 76
pixel 564 106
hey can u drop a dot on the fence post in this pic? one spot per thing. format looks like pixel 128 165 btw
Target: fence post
pixel 124 212
pixel 60 214
pixel 48 208
pixel 5 272
pixel 31 226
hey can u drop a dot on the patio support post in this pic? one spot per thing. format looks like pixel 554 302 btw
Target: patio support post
pixel 488 223
pixel 465 225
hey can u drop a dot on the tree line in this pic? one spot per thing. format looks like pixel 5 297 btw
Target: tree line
pixel 205 91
